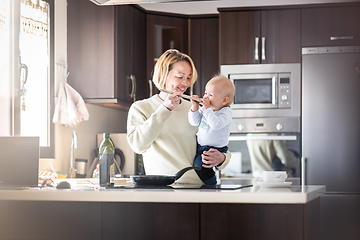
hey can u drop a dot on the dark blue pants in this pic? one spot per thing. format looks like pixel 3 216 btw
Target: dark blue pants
pixel 207 175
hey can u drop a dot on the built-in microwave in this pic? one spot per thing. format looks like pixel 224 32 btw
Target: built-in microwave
pixel 262 90
pixel 267 97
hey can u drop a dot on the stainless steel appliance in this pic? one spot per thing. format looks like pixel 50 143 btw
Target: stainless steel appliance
pixel 331 135
pixel 240 163
pixel 265 90
pixel 267 97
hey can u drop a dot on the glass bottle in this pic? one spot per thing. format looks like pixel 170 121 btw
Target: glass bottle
pixel 106 158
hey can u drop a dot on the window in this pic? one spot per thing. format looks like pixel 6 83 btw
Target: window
pixel 26 71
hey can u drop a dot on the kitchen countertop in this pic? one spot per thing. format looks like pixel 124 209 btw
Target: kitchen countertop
pixel 295 194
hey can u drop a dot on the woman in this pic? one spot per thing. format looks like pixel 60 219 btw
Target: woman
pixel 158 127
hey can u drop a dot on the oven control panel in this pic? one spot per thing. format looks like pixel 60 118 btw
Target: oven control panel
pixel 265 125
pixel 284 90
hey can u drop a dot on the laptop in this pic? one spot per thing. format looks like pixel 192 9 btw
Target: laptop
pixel 19 162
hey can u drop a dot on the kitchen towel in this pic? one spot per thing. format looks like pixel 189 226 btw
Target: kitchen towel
pixel 70 108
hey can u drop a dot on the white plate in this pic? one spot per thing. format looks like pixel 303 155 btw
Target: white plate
pixel 274 184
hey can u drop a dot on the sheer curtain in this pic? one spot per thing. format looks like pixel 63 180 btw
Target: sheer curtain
pixel 26 70
pixel 5 84
pixel 34 53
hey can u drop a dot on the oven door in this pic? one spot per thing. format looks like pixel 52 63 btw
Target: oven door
pixel 243 160
pixel 255 91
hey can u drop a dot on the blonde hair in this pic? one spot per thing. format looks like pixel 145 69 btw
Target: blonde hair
pixel 165 63
pixel 226 85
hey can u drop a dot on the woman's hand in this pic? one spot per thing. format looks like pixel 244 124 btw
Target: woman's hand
pixel 172 100
pixel 212 158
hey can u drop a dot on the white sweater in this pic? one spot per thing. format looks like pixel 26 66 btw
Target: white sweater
pixel 165 138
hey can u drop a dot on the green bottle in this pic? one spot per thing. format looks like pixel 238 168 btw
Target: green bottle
pixel 106 158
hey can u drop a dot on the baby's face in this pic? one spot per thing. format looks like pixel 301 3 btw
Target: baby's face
pixel 215 95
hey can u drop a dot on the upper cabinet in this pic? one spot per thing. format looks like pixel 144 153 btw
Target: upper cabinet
pixel 112 50
pixel 105 52
pixel 131 84
pixel 260 36
pixel 162 33
pixel 331 26
pixel 204 49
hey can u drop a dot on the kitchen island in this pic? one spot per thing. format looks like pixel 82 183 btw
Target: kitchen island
pixel 90 212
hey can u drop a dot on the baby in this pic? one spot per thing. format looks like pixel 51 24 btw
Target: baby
pixel 214 121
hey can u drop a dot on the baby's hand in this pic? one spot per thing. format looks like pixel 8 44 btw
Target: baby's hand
pixel 194 104
pixel 206 102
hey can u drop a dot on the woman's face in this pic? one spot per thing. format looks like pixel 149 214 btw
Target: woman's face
pixel 178 78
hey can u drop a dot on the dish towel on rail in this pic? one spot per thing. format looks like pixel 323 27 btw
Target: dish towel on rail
pixel 70 108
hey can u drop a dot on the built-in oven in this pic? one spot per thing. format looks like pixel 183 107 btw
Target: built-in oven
pixel 266 111
pixel 243 153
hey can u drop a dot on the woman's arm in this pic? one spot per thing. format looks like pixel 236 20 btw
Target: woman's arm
pixel 143 127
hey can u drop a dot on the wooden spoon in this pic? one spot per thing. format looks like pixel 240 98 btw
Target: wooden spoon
pixel 183 95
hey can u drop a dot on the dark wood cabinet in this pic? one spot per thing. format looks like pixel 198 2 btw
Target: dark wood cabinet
pixel 91 44
pixel 196 36
pixel 162 33
pixel 204 50
pixel 4 221
pixel 50 220
pixel 238 31
pixel 105 52
pixel 150 221
pixel 266 36
pixel 331 26
pixel 260 221
pixel 130 53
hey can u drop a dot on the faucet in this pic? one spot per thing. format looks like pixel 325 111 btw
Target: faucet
pixel 74 144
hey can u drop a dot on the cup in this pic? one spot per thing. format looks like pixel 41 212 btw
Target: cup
pixel 274 176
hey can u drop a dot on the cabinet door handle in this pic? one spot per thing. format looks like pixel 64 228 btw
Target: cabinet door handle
pixel 342 38
pixel 256 49
pixel 150 88
pixel 133 87
pixel 263 57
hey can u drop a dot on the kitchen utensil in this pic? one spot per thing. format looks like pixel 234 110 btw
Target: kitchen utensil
pixel 160 179
pixel 183 95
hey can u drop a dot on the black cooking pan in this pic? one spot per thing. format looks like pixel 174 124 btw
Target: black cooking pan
pixel 160 179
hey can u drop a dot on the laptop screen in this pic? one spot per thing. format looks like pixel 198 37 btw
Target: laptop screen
pixel 19 161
